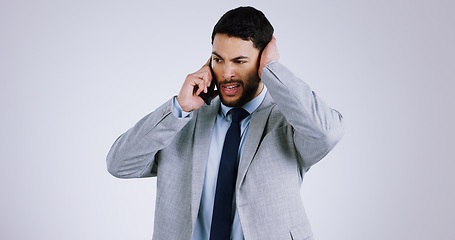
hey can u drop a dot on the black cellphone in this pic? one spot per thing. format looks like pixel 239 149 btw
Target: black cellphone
pixel 211 90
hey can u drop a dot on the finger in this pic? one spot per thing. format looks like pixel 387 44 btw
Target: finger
pixel 272 43
pixel 202 81
pixel 209 78
pixel 201 85
pixel 208 62
pixel 205 75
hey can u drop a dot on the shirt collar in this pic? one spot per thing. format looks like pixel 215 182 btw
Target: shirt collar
pixel 250 106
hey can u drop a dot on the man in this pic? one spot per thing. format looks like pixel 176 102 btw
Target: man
pixel 232 169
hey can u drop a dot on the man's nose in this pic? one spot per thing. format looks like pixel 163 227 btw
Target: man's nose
pixel 228 71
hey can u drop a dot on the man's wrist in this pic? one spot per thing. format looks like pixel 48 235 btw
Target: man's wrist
pixel 266 66
pixel 178 111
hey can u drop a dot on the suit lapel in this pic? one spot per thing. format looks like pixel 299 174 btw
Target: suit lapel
pixel 255 131
pixel 205 120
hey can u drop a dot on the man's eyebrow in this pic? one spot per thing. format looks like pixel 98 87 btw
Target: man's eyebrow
pixel 234 59
pixel 216 54
pixel 239 58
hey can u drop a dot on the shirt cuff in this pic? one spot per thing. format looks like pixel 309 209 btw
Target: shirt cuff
pixel 178 112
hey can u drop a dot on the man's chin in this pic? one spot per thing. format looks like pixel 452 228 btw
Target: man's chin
pixel 231 101
pixel 240 98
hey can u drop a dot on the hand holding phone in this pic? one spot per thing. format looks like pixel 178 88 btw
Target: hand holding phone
pixel 211 92
pixel 196 83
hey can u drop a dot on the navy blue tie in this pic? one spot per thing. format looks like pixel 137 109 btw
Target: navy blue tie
pixel 227 175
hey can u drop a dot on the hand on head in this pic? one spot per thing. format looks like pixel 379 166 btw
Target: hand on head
pixel 269 54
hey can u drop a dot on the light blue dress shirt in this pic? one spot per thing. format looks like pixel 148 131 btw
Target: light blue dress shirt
pixel 222 124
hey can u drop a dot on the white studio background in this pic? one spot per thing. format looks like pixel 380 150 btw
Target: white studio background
pixel 77 74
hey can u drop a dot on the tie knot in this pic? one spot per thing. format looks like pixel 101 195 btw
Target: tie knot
pixel 238 114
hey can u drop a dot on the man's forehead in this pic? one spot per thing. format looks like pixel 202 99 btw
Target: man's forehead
pixel 233 46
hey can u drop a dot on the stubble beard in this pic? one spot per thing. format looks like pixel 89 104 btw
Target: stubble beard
pixel 250 88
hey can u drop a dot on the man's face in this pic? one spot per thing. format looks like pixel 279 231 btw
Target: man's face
pixel 235 65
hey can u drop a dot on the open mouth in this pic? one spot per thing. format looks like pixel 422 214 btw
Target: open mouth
pixel 231 89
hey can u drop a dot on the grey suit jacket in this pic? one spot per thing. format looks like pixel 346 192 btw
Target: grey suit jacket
pixel 290 131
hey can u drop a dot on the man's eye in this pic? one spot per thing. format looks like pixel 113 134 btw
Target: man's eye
pixel 239 61
pixel 217 60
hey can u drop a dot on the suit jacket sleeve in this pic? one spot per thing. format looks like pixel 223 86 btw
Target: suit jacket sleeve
pixel 133 154
pixel 317 127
